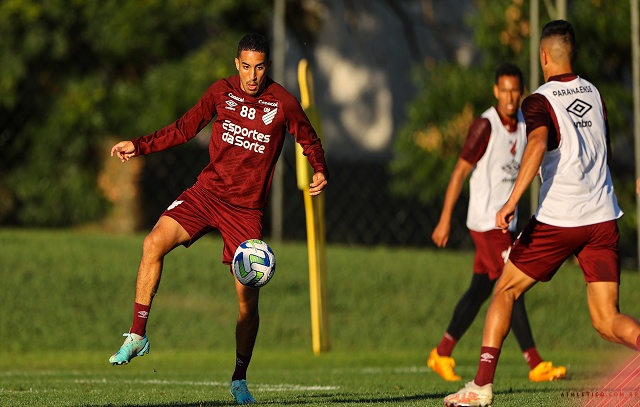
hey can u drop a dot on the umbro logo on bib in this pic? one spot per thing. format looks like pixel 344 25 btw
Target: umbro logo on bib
pixel 579 108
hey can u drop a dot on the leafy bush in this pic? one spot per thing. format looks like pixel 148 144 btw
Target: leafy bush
pixel 75 74
pixel 427 146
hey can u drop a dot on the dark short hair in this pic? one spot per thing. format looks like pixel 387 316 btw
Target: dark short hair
pixel 254 42
pixel 509 69
pixel 564 31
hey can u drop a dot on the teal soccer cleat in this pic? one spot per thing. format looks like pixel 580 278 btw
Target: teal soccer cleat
pixel 131 348
pixel 240 392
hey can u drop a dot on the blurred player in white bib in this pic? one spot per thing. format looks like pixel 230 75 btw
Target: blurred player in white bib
pixel 491 154
pixel 568 140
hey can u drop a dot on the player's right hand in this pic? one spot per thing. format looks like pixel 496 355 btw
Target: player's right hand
pixel 504 216
pixel 123 150
pixel 440 235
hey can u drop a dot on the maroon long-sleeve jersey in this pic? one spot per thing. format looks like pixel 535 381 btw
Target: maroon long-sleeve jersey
pixel 246 140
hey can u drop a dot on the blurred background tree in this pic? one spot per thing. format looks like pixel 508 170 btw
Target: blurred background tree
pixel 451 95
pixel 75 73
pixel 78 75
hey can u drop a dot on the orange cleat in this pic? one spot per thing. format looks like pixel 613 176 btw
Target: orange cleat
pixel 546 372
pixel 443 365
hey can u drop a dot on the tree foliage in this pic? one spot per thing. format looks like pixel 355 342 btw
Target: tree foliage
pixel 450 95
pixel 75 72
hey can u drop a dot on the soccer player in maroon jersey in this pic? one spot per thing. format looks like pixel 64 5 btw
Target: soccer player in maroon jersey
pixel 568 141
pixel 491 154
pixel 251 114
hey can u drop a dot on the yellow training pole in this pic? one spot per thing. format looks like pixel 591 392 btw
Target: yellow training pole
pixel 314 214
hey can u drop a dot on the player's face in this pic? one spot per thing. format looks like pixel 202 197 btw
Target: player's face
pixel 508 92
pixel 252 68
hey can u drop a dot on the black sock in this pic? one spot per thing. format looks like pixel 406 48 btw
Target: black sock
pixel 469 305
pixel 242 363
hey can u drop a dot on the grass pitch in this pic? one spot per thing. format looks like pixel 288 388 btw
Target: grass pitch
pixel 67 297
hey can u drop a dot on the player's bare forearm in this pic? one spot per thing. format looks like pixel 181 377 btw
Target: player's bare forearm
pixel 456 181
pixel 318 183
pixel 123 150
pixel 440 235
pixel 531 160
pixel 505 215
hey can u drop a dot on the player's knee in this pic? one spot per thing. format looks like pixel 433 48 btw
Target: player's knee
pixel 153 247
pixel 606 335
pixel 506 292
pixel 604 328
pixel 149 246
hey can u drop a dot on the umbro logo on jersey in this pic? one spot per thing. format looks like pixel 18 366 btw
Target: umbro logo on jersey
pixel 579 108
pixel 231 105
pixel 486 357
pixel 174 204
pixel 267 118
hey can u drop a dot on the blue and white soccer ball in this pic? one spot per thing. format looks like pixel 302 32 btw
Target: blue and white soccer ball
pixel 254 263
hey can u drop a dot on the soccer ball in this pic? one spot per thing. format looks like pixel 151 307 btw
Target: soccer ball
pixel 254 263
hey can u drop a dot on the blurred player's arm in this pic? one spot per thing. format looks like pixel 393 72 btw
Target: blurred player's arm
pixel 440 235
pixel 474 148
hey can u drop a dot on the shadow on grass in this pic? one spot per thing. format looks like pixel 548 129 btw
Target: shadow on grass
pixel 329 399
pixel 314 399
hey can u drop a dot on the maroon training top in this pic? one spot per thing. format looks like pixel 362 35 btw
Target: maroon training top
pixel 246 139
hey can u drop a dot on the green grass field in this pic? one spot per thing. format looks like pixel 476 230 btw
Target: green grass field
pixel 66 297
